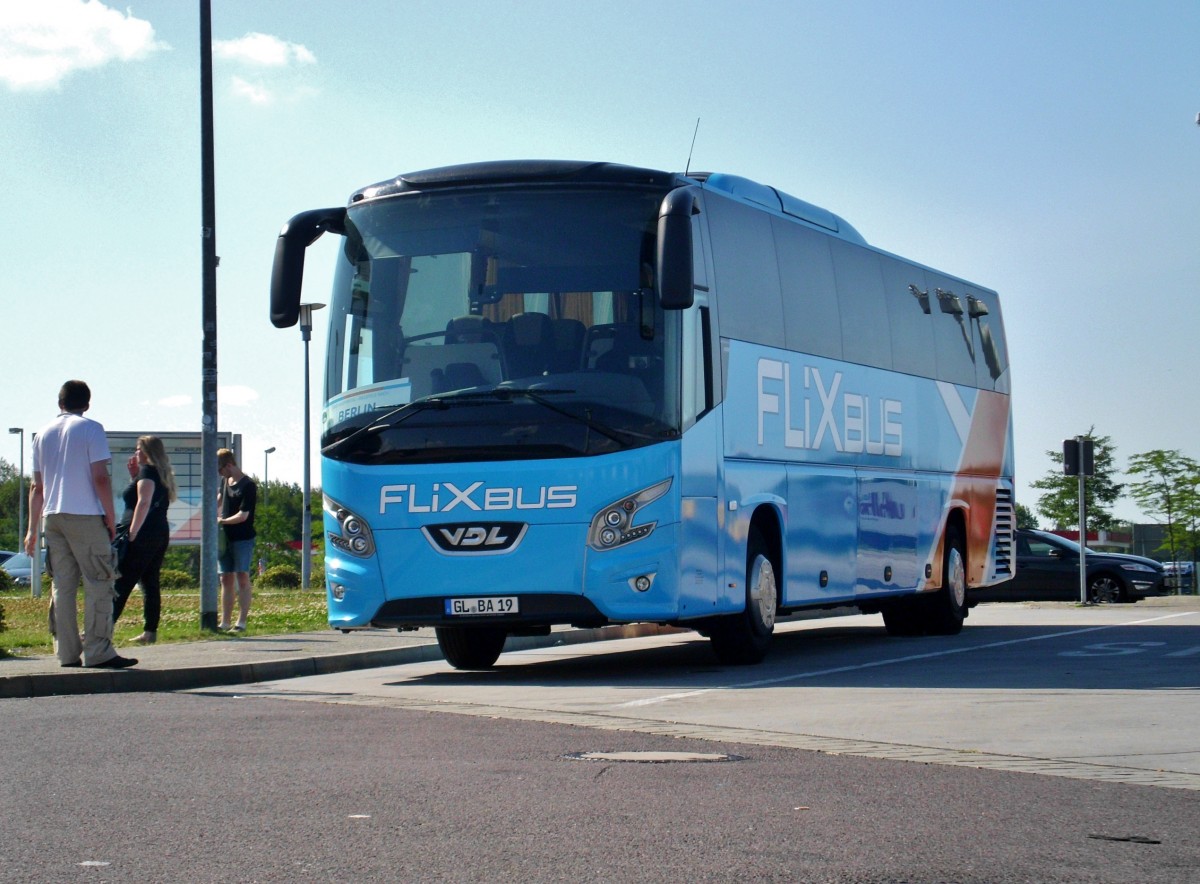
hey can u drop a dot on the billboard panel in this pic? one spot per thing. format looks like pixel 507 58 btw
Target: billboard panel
pixel 185 451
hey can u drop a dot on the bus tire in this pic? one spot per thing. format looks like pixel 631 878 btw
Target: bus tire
pixel 471 647
pixel 948 606
pixel 742 639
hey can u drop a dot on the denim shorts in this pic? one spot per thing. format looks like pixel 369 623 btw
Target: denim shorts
pixel 236 557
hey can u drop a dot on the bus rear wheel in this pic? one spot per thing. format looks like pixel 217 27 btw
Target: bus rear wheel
pixel 471 647
pixel 948 606
pixel 938 613
pixel 742 639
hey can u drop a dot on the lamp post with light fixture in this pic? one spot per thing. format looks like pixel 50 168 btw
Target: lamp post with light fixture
pixel 267 452
pixel 306 312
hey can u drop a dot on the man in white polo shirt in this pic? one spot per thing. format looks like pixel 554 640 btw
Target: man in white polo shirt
pixel 72 489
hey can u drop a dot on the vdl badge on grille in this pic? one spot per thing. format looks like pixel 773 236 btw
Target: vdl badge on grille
pixel 482 606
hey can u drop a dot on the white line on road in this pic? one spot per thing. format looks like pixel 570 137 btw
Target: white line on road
pixel 796 676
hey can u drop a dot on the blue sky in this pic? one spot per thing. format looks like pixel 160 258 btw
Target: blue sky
pixel 1047 150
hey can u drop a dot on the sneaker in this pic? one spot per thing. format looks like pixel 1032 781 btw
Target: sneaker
pixel 148 637
pixel 117 662
pixel 222 627
pixel 74 665
pixel 238 628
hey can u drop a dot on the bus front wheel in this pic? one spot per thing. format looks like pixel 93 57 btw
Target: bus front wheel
pixel 741 639
pixel 471 647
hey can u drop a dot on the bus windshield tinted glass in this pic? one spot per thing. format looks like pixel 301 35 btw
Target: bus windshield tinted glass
pixel 466 299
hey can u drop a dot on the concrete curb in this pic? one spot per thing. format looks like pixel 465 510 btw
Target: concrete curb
pixel 181 678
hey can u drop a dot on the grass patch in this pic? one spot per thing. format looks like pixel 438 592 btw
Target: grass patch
pixel 272 612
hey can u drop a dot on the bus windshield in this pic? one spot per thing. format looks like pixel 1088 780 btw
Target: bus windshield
pixel 499 325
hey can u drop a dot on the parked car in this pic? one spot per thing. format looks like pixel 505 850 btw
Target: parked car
pixel 1180 578
pixel 19 566
pixel 1048 570
pixel 5 555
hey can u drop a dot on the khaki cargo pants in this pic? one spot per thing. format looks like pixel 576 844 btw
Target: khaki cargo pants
pixel 78 549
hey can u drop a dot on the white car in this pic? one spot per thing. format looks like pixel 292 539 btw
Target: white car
pixel 1180 577
pixel 19 566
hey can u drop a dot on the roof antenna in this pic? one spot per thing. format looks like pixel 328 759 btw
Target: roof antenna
pixel 688 167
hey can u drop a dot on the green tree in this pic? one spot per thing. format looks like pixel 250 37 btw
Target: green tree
pixel 1059 505
pixel 279 524
pixel 1025 517
pixel 9 510
pixel 1167 492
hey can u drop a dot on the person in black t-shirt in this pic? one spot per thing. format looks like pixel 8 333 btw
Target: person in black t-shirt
pixel 146 500
pixel 239 497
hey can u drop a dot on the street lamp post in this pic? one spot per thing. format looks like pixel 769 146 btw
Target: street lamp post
pixel 20 431
pixel 267 452
pixel 306 312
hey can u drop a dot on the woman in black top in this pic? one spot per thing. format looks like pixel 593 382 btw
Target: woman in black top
pixel 146 500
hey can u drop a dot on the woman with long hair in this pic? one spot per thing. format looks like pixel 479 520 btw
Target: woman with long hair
pixel 146 500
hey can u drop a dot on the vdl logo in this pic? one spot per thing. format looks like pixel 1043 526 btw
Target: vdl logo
pixel 475 538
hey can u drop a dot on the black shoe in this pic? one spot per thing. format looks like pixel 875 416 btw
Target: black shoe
pixel 117 662
pixel 74 665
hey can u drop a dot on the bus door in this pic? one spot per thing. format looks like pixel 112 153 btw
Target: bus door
pixel 888 541
pixel 701 466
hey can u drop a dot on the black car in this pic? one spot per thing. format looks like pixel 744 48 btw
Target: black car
pixel 1048 570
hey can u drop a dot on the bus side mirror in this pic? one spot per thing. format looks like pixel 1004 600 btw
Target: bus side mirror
pixel 674 259
pixel 287 274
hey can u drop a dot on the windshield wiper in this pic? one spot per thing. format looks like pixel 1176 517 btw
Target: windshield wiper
pixel 443 401
pixel 393 418
pixel 538 397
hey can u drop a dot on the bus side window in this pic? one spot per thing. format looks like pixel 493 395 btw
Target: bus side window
pixel 698 395
pixel 952 332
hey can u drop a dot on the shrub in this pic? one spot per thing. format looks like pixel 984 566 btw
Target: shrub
pixel 1 616
pixel 7 584
pixel 279 577
pixel 173 578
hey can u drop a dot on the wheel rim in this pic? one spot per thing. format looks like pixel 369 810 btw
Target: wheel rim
pixel 1105 590
pixel 762 591
pixel 956 580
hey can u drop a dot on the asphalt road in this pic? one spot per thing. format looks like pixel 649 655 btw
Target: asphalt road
pixel 420 773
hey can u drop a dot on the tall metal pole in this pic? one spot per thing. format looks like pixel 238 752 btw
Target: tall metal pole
pixel 208 359
pixel 1083 596
pixel 306 311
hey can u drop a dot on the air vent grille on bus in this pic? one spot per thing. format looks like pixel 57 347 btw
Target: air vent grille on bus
pixel 1005 530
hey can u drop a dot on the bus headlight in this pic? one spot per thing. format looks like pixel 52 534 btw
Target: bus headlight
pixel 354 535
pixel 613 525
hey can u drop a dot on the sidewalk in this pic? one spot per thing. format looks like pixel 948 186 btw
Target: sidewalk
pixel 253 658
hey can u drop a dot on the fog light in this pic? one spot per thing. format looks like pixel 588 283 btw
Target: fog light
pixel 642 582
pixel 337 591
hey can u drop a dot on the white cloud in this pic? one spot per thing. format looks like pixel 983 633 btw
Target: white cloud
pixel 256 93
pixel 236 396
pixel 178 401
pixel 262 50
pixel 274 61
pixel 43 43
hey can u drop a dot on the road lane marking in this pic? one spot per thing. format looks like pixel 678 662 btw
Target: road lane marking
pixel 873 664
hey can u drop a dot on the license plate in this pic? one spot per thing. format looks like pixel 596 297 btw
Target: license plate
pixel 489 605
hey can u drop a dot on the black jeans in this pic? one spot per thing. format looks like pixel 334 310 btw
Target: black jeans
pixel 143 564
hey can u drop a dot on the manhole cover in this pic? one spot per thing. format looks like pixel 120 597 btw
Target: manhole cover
pixel 654 757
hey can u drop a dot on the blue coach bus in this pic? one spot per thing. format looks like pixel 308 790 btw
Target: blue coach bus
pixel 584 393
